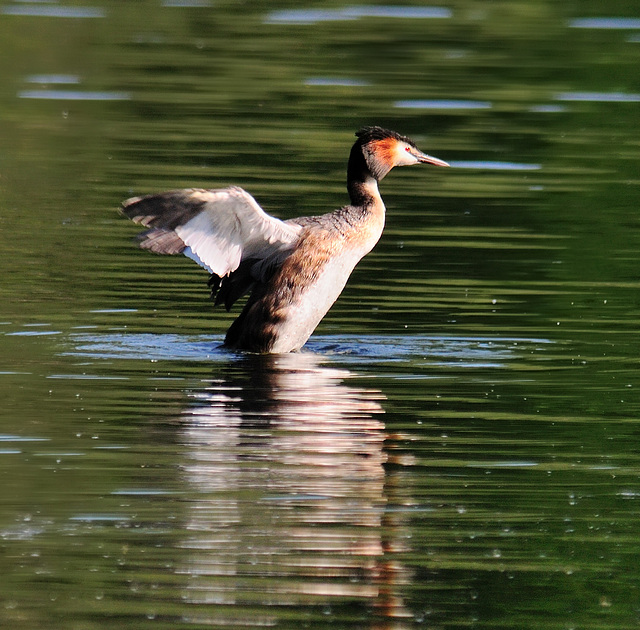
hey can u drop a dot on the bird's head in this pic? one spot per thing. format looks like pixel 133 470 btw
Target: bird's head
pixel 383 149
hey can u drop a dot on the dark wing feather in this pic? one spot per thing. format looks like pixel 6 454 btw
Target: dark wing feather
pixel 224 230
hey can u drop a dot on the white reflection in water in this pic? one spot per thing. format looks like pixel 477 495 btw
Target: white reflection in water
pixel 32 333
pixel 441 104
pixel 443 350
pixel 312 16
pixel 74 95
pixel 605 23
pixel 607 97
pixel 495 166
pixel 49 10
pixel 21 438
pixel 335 82
pixel 285 461
pixel 50 79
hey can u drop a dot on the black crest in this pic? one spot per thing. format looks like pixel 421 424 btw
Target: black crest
pixel 375 133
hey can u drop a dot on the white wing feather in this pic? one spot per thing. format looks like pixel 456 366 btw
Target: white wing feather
pixel 229 228
pixel 232 227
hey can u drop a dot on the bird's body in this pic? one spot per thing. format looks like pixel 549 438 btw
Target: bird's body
pixel 295 269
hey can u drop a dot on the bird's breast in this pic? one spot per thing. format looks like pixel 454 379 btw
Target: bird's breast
pixel 299 294
pixel 312 296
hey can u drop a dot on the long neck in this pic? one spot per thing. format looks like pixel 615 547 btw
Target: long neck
pixel 361 184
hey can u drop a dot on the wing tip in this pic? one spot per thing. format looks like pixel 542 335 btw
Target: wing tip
pixel 131 201
pixel 127 209
pixel 161 241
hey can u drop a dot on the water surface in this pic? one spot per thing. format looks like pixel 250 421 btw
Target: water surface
pixel 455 446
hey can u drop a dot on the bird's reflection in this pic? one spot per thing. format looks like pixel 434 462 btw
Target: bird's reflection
pixel 285 463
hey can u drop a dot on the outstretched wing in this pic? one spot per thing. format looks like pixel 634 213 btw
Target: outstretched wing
pixel 217 228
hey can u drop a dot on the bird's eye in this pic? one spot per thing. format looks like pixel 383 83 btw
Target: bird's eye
pixel 407 149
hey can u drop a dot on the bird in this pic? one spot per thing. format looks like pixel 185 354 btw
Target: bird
pixel 293 270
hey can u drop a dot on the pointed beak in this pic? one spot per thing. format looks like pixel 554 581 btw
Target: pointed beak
pixel 427 159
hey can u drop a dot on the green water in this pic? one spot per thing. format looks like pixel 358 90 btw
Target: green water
pixel 457 446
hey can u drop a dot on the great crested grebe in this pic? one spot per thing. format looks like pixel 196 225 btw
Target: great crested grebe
pixel 295 269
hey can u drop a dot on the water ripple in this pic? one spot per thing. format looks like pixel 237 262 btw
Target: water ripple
pixel 148 346
pixel 74 95
pixel 313 16
pixel 57 79
pixel 53 11
pixel 442 104
pixel 605 23
pixel 605 97
pixel 495 166
pixel 335 82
